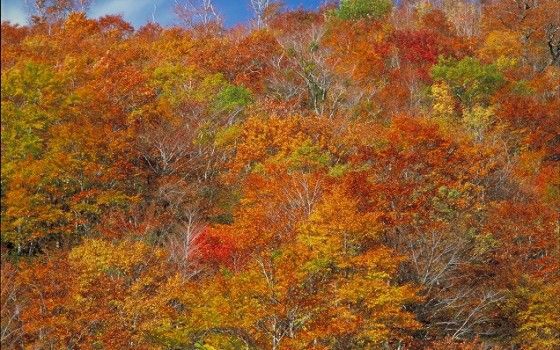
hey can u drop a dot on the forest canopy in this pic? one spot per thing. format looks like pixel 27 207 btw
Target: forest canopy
pixel 367 175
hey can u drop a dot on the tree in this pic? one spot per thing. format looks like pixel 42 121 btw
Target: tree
pixel 430 206
pixel 50 11
pixel 12 306
pixel 300 250
pixel 109 295
pixel 198 13
pixel 357 177
pixel 536 315
pixel 357 9
pixel 471 82
pixel 32 98
pixel 263 9
pixel 306 57
pixel 535 23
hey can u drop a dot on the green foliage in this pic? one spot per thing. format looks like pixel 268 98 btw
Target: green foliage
pixel 338 170
pixel 227 136
pixel 308 156
pixel 521 88
pixel 33 100
pixel 358 9
pixel 233 98
pixel 179 84
pixel 469 80
pixel 31 97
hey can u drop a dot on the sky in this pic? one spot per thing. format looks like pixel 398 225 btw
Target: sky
pixel 138 12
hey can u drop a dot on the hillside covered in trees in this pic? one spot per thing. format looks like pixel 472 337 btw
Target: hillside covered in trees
pixel 363 176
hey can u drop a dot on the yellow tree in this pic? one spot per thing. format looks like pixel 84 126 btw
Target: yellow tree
pixel 306 269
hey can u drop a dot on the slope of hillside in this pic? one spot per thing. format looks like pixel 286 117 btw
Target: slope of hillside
pixel 365 176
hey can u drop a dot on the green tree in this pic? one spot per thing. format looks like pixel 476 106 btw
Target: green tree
pixel 470 81
pixel 358 9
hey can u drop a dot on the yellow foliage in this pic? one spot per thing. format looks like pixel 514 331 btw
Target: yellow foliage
pixel 479 119
pixel 444 102
pixel 538 317
pixel 503 47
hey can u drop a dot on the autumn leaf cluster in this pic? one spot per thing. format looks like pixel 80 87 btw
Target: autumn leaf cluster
pixel 362 176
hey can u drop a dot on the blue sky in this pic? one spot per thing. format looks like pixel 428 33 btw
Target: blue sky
pixel 138 12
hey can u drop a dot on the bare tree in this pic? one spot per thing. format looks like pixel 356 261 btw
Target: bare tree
pixel 84 5
pixel 184 243
pixel 302 194
pixel 11 308
pixel 51 11
pixel 263 9
pixel 304 56
pixel 259 7
pixel 452 305
pixel 198 14
pixel 277 324
pixel 465 16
